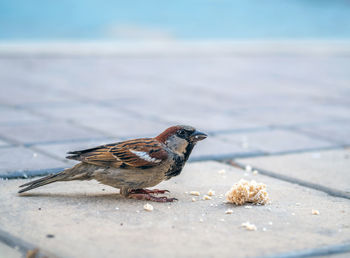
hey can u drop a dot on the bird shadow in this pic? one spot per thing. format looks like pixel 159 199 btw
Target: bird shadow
pixel 76 196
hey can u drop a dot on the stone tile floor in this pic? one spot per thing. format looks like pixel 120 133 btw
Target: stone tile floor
pixel 275 112
pixel 265 104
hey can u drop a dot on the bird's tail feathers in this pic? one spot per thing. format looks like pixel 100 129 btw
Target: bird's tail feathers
pixel 42 181
pixel 78 172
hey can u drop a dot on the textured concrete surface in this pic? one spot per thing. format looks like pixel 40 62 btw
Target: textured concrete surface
pixel 24 160
pixel 251 100
pixel 326 168
pixel 88 219
pixel 3 143
pixel 254 100
pixel 330 131
pixel 8 252
pixel 275 141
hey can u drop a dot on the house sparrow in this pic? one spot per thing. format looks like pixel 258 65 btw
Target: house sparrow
pixel 132 165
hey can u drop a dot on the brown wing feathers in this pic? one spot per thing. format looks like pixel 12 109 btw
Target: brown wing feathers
pixel 145 152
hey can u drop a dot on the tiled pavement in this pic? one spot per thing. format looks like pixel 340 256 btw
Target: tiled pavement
pixel 285 113
pixel 250 105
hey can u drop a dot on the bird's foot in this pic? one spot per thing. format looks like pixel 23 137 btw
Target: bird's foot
pixel 148 197
pixel 148 191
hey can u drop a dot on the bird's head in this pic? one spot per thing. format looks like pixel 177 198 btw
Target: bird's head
pixel 181 138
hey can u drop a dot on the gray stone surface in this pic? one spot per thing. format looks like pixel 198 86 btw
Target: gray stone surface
pixel 87 221
pixel 291 115
pixel 197 114
pixel 327 168
pixel 59 150
pixel 15 116
pixel 62 100
pixel 251 102
pixel 276 140
pixel 8 252
pixel 22 159
pixel 335 131
pixel 46 132
pixel 3 143
pixel 213 148
pixel 128 127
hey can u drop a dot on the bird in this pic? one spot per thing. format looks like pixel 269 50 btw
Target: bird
pixel 132 165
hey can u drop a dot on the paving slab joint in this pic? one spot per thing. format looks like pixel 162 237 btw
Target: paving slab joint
pixel 314 252
pixel 325 189
pixel 25 248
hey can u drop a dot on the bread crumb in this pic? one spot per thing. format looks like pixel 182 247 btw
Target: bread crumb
pixel 148 207
pixel 222 171
pixel 229 211
pixel 211 192
pixel 206 197
pixel 248 226
pixel 201 220
pixel 222 220
pixel 255 172
pixel 270 223
pixel 247 192
pixel 315 212
pixel 194 199
pixel 248 168
pixel 196 193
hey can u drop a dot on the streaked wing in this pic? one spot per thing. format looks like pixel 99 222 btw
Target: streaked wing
pixel 138 153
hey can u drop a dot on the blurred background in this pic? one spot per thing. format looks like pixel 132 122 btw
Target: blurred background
pixel 174 20
pixel 261 77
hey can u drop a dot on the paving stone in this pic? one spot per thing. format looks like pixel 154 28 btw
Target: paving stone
pixel 213 148
pixel 115 121
pixel 46 132
pixel 21 94
pixel 335 131
pixel 9 252
pixel 200 115
pixel 3 143
pixel 327 168
pixel 212 122
pixel 275 141
pixel 81 112
pixel 128 127
pixel 21 160
pixel 286 116
pixel 71 211
pixel 60 150
pixel 15 116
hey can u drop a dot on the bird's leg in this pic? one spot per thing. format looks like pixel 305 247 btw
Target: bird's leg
pixel 148 197
pixel 149 191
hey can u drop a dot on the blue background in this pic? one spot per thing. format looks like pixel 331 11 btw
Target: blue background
pixel 181 19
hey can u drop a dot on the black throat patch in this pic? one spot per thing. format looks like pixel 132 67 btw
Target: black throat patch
pixel 179 162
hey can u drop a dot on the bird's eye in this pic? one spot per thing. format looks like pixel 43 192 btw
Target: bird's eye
pixel 181 133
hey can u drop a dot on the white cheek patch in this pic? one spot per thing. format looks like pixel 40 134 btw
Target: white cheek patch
pixel 144 155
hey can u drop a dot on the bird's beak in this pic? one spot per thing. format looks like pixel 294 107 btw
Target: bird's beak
pixel 198 136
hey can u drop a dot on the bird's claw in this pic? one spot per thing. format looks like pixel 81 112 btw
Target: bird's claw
pixel 148 197
pixel 148 191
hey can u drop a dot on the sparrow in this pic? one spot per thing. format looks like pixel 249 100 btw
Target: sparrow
pixel 132 165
